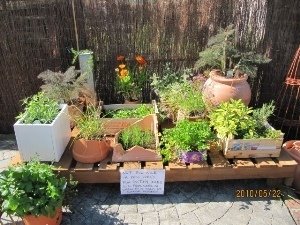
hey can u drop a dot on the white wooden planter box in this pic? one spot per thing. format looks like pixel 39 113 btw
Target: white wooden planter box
pixel 252 148
pixel 45 142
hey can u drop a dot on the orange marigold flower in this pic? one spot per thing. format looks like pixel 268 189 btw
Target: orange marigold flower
pixel 122 66
pixel 141 60
pixel 123 73
pixel 120 58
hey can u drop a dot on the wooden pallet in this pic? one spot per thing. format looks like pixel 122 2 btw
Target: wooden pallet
pixel 217 167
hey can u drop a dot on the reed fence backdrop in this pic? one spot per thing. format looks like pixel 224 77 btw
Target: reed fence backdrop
pixel 36 35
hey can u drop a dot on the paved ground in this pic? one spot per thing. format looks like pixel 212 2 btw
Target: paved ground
pixel 212 202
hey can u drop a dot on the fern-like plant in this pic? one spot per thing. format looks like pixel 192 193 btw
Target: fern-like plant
pixel 222 53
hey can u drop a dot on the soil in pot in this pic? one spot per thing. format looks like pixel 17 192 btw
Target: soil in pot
pixel 44 220
pixel 218 89
pixel 90 151
pixel 293 149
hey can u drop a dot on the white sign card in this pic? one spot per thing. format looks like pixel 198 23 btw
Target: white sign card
pixel 151 182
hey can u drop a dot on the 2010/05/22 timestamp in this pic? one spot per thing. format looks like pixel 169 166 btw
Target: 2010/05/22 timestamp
pixel 257 193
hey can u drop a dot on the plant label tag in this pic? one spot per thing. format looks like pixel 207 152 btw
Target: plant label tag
pixel 142 181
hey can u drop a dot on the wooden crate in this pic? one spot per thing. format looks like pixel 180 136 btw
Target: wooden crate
pixel 252 148
pixel 114 125
pixel 138 153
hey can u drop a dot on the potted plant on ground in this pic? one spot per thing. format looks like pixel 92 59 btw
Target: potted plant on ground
pixel 43 129
pixel 188 141
pixel 68 88
pixel 33 192
pixel 231 68
pixel 90 145
pixel 245 132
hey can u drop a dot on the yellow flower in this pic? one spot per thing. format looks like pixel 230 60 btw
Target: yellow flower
pixel 122 66
pixel 123 73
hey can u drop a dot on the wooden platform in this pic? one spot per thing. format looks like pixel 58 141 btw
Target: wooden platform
pixel 215 168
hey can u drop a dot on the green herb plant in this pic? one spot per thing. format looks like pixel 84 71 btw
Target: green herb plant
pixel 185 97
pixel 222 53
pixel 234 119
pixel 134 135
pixel 89 124
pixel 138 112
pixel 39 109
pixel 31 188
pixel 168 76
pixel 186 136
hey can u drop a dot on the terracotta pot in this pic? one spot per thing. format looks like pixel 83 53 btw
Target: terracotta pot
pixel 193 157
pixel 293 149
pixel 90 151
pixel 218 89
pixel 43 220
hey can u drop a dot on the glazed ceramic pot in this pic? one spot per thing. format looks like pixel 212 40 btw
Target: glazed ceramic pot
pixel 44 220
pixel 218 89
pixel 293 149
pixel 193 157
pixel 90 151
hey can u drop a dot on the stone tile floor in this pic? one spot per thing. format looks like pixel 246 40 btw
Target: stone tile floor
pixel 210 202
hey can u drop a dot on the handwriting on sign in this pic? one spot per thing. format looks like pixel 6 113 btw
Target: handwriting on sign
pixel 142 181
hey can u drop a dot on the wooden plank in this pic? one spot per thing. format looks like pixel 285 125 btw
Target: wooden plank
pixel 285 160
pixel 217 159
pixel 66 159
pixel 84 166
pixel 106 164
pixel 153 165
pixel 198 165
pixel 132 165
pixel 242 163
pixel 177 166
pixel 265 162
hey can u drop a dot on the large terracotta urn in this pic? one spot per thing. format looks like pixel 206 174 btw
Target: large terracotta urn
pixel 218 89
pixel 90 151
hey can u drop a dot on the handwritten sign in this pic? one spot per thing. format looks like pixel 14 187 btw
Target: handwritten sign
pixel 144 181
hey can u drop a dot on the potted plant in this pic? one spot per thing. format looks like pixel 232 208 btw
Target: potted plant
pixel 43 129
pixel 90 145
pixel 188 141
pixel 245 132
pixel 137 142
pixel 130 81
pixel 33 192
pixel 68 88
pixel 231 68
pixel 183 100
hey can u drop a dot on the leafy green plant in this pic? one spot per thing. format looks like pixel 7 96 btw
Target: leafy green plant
pixel 138 112
pixel 39 109
pixel 183 96
pixel 134 135
pixel 186 136
pixel 235 120
pixel 232 119
pixel 168 76
pixel 222 53
pixel 89 124
pixel 63 87
pixel 31 188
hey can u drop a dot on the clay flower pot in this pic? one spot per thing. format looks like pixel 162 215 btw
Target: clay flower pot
pixel 218 89
pixel 293 149
pixel 43 220
pixel 90 151
pixel 193 157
